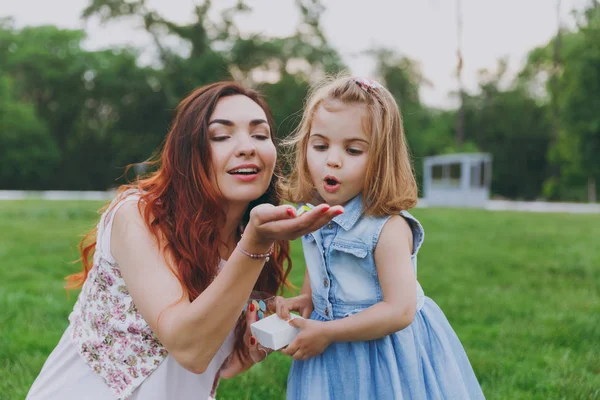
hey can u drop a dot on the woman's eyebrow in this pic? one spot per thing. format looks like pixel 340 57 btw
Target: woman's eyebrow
pixel 256 122
pixel 227 122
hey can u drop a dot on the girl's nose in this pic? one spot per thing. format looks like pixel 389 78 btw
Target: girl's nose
pixel 333 160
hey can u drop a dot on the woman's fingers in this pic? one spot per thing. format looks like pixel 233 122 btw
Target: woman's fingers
pixel 287 227
pixel 321 217
pixel 253 350
pixel 265 213
pixel 257 352
pixel 251 315
pixel 268 223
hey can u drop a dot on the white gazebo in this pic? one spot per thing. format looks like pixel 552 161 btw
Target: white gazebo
pixel 457 180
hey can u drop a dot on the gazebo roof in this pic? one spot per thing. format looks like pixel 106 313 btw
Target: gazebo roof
pixel 457 158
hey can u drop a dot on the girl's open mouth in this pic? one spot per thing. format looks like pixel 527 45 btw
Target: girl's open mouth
pixel 331 184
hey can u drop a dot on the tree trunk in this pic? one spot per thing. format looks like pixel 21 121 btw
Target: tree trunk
pixel 460 116
pixel 460 122
pixel 592 189
pixel 555 89
pixel 556 64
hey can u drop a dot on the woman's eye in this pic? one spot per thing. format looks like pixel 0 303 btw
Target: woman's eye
pixel 219 138
pixel 260 136
pixel 354 152
pixel 320 147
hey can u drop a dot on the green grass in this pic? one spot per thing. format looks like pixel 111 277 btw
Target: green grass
pixel 521 290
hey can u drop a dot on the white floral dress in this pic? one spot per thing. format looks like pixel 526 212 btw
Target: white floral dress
pixel 108 351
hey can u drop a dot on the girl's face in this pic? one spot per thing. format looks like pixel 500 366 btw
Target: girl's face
pixel 243 153
pixel 338 152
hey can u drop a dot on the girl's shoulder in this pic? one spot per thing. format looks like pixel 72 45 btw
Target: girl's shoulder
pixel 400 225
pixel 416 228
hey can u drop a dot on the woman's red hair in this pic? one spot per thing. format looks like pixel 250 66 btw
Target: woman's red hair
pixel 184 211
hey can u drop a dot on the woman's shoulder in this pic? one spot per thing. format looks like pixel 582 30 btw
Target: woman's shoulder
pixel 123 223
pixel 128 219
pixel 125 205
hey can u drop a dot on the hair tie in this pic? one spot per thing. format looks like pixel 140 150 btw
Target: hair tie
pixel 367 84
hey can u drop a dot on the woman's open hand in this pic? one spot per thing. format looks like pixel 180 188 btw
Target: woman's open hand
pixel 269 223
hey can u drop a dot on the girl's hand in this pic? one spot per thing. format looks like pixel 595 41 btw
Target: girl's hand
pixel 269 223
pixel 302 304
pixel 310 342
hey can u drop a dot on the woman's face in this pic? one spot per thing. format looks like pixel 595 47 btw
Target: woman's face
pixel 243 153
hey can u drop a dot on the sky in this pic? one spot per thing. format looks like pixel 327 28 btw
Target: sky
pixel 424 30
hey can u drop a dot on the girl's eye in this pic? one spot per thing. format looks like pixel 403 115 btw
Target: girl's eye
pixel 354 152
pixel 219 138
pixel 320 147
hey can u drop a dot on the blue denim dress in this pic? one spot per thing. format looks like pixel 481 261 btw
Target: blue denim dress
pixel 423 361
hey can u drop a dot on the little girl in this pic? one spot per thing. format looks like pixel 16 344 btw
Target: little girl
pixel 372 333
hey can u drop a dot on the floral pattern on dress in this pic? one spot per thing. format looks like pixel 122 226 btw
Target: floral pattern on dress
pixel 109 332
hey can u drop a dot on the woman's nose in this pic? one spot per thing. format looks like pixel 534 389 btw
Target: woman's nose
pixel 246 147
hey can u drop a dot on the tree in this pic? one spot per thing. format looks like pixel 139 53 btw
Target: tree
pixel 101 110
pixel 404 78
pixel 28 154
pixel 219 46
pixel 512 126
pixel 281 67
pixel 570 84
pixel 582 96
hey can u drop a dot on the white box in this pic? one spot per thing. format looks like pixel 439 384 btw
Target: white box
pixel 274 332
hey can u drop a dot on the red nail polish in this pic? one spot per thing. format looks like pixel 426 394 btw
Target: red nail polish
pixel 252 341
pixel 338 212
pixel 251 307
pixel 290 212
pixel 325 210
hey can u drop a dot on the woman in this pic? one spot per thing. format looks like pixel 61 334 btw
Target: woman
pixel 160 301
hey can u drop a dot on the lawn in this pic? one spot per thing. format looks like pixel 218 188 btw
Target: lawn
pixel 521 290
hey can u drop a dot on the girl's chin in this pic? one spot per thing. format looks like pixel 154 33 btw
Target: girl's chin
pixel 332 200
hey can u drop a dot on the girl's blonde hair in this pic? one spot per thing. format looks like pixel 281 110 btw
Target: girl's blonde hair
pixel 390 183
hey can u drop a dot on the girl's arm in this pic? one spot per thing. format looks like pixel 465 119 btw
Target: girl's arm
pixel 306 285
pixel 394 313
pixel 398 284
pixel 193 332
